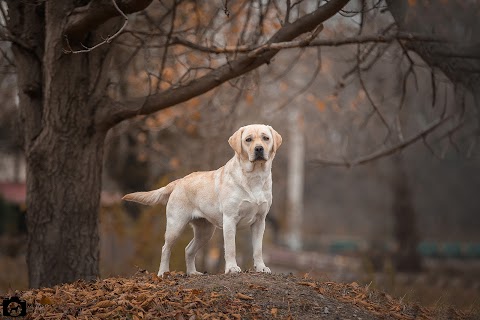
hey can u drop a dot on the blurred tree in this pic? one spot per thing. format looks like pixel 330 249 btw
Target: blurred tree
pixel 405 231
pixel 296 175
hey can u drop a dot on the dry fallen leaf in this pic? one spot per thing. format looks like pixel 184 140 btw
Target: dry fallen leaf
pixel 45 300
pixel 244 296
pixel 310 284
pixel 103 315
pixel 274 312
pixel 179 316
pixel 257 287
pixel 104 304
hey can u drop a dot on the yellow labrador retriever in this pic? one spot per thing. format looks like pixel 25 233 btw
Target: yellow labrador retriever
pixel 239 194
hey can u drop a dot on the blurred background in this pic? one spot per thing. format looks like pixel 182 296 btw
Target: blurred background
pixel 378 177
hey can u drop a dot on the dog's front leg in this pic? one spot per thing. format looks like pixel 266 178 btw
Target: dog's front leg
pixel 229 232
pixel 258 228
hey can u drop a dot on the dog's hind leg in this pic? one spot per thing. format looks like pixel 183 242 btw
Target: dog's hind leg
pixel 175 226
pixel 202 233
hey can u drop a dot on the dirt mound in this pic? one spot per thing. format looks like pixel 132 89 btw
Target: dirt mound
pixel 240 296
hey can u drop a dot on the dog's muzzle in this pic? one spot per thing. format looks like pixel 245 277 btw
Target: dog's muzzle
pixel 259 153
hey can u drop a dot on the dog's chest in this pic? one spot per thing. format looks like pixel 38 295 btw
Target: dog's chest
pixel 255 204
pixel 249 212
pixel 256 191
pixel 257 195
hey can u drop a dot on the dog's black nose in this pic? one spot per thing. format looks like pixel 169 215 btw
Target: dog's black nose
pixel 258 149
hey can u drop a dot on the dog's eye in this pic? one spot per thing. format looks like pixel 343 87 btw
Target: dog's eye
pixel 248 139
pixel 266 138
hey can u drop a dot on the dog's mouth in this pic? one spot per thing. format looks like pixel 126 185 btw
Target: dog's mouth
pixel 259 157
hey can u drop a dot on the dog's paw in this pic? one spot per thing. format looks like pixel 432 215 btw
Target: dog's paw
pixel 194 273
pixel 234 269
pixel 161 273
pixel 263 268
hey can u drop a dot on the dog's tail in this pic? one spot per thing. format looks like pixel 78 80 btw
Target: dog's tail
pixel 152 197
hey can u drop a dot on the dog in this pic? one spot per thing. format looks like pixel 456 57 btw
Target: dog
pixel 237 195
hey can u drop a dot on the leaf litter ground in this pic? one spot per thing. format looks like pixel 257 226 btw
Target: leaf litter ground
pixel 239 296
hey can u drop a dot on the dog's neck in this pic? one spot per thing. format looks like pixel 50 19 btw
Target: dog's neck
pixel 254 168
pixel 252 176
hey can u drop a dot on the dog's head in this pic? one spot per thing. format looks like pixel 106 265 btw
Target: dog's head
pixel 256 142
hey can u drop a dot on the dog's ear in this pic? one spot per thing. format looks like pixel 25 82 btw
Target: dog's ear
pixel 277 139
pixel 235 141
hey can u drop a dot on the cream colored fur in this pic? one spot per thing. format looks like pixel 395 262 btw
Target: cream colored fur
pixel 239 194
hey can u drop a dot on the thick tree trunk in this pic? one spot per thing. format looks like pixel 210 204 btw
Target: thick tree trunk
pixel 64 164
pixel 63 187
pixel 58 98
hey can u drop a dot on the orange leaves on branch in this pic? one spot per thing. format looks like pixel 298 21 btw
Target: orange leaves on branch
pixel 320 105
pixel 142 157
pixel 141 137
pixel 174 163
pixel 194 102
pixel 358 100
pixel 194 58
pixel 168 74
pixel 164 85
pixel 196 116
pixel 249 99
pixel 283 86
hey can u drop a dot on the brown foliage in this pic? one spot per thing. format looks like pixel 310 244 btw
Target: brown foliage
pixel 241 296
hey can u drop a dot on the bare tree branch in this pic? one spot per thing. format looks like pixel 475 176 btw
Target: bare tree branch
pixel 283 45
pixel 6 35
pixel 377 38
pixel 95 13
pixel 305 87
pixel 385 151
pixel 116 111
pixel 370 99
pixel 108 39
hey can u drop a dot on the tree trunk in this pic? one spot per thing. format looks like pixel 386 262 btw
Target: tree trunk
pixel 64 165
pixel 63 188
pixel 296 172
pixel 406 257
pixel 58 98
